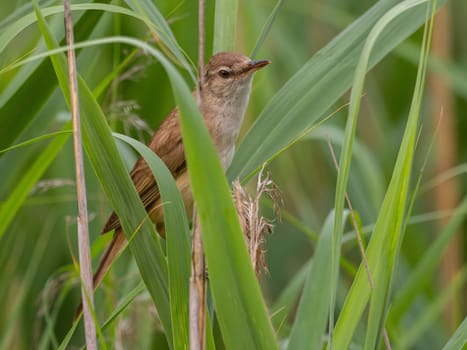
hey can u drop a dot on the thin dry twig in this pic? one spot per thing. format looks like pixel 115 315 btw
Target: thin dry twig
pixel 197 289
pixel 83 230
pixel 197 302
pixel 201 7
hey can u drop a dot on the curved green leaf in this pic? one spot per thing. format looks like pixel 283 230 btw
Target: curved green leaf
pixel 116 182
pixel 178 242
pixel 312 313
pixel 385 241
pixel 459 338
pixel 321 81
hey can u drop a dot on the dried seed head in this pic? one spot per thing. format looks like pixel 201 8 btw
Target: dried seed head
pixel 255 226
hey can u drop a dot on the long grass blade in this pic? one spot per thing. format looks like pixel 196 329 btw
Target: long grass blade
pixel 425 268
pixel 162 32
pixel 14 201
pixel 30 83
pixel 241 309
pixel 115 180
pixel 398 195
pixel 459 338
pixel 307 96
pixel 36 139
pixel 267 27
pixel 178 242
pixel 312 313
pixel 386 236
pixel 225 24
pixel 286 300
pixel 370 174
pixel 412 335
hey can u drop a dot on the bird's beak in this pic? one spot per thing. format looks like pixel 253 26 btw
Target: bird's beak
pixel 253 66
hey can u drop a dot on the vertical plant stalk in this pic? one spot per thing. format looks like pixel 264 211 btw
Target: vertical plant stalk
pixel 446 195
pixel 358 235
pixel 197 290
pixel 201 45
pixel 83 232
pixel 197 313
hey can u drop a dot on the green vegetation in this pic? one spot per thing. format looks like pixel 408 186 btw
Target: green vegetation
pixel 360 79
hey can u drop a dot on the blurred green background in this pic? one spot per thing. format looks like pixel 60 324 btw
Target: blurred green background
pixel 37 250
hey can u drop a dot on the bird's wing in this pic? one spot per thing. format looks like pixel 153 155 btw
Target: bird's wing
pixel 167 144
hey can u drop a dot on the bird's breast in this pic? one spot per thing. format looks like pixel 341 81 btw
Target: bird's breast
pixel 224 117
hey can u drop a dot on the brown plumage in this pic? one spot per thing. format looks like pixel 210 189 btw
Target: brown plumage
pixel 225 92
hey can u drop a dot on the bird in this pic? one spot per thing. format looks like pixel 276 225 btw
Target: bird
pixel 225 90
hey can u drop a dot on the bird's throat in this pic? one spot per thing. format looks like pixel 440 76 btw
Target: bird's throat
pixel 224 117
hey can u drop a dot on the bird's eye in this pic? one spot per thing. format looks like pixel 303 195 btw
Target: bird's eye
pixel 224 73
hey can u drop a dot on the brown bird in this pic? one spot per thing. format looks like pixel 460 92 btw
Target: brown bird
pixel 225 90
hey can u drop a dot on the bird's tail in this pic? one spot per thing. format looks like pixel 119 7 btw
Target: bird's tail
pixel 118 242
